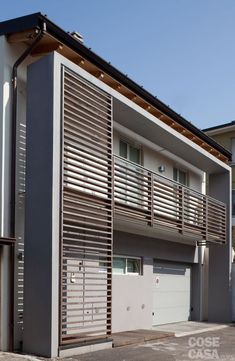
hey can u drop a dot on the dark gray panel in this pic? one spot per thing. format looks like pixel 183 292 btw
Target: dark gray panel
pixel 39 208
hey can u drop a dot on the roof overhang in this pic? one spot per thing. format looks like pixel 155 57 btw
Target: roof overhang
pixel 220 129
pixel 25 29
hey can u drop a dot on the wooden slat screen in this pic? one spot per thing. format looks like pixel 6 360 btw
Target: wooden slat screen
pixel 143 196
pixel 86 219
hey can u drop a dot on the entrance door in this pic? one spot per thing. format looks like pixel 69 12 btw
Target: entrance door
pixel 171 292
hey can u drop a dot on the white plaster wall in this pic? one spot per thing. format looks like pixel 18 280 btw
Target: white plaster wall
pixel 152 160
pixel 132 295
pixel 133 310
pixel 9 54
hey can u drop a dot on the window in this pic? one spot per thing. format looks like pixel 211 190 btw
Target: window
pixel 127 265
pixel 119 265
pixel 103 267
pixel 131 185
pixel 233 202
pixel 180 176
pixel 129 151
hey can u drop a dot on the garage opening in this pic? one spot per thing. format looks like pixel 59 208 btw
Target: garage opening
pixel 171 292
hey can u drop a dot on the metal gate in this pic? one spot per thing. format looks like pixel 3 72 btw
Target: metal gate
pixel 86 211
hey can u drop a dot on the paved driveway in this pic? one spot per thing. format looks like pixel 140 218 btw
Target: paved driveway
pixel 213 345
pixel 216 345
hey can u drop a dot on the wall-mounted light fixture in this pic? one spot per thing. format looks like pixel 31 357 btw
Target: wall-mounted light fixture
pixel 161 168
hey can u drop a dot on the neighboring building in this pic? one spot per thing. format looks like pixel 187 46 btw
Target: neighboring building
pixel 105 197
pixel 224 134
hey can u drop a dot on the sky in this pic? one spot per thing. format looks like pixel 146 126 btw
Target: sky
pixel 182 51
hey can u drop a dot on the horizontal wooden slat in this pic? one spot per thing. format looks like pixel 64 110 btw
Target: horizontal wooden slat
pixel 171 205
pixel 86 212
pixel 86 91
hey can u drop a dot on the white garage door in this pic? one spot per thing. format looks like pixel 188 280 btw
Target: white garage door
pixel 171 293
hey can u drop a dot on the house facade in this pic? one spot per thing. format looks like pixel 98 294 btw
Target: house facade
pixel 104 191
pixel 224 134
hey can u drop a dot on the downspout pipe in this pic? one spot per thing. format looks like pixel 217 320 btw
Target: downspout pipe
pixel 18 62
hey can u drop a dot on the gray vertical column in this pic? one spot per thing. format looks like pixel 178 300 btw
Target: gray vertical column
pixel 196 295
pixel 220 256
pixel 5 174
pixel 42 229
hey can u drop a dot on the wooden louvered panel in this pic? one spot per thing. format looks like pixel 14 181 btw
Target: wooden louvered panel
pixel 86 242
pixel 144 196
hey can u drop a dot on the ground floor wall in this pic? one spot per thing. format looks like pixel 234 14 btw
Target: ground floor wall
pixel 132 295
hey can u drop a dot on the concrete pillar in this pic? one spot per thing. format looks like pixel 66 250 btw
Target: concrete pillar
pixel 196 296
pixel 42 228
pixel 220 256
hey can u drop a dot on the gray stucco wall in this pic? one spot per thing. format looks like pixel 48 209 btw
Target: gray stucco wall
pixel 220 257
pixel 132 295
pixel 42 210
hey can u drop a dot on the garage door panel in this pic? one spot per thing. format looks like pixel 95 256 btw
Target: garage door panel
pixel 171 293
pixel 171 284
pixel 177 314
pixel 167 299
pixel 175 270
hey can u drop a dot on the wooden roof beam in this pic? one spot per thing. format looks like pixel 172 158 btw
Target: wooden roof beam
pixel 117 86
pixel 99 75
pixel 165 119
pixel 131 96
pixel 78 60
pixel 43 49
pixel 22 36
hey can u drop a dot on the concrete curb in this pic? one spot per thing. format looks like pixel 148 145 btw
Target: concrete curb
pixel 17 357
pixel 135 337
pixel 188 333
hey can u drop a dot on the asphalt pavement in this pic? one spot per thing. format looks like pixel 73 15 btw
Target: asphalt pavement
pixel 211 345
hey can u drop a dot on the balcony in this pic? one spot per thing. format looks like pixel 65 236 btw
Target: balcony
pixel 143 196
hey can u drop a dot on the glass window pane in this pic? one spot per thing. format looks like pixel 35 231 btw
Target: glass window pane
pixel 233 203
pixel 103 267
pixel 183 177
pixel 175 174
pixel 134 155
pixel 180 176
pixel 123 149
pixel 119 265
pixel 133 265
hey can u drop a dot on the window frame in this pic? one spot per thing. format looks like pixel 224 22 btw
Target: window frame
pixel 130 143
pixel 178 169
pixel 140 259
